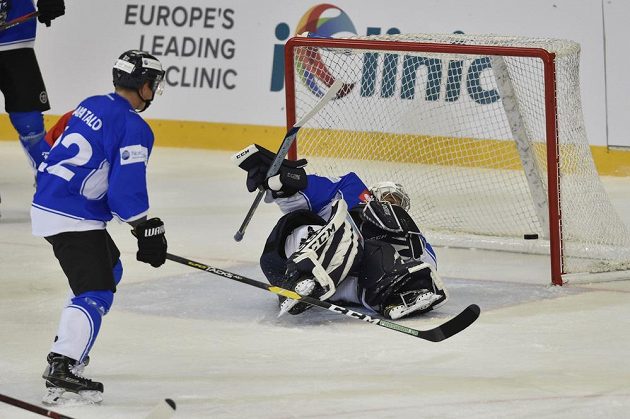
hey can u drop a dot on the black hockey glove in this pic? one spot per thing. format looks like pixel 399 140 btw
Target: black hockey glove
pixel 151 242
pixel 256 160
pixel 286 183
pixel 49 10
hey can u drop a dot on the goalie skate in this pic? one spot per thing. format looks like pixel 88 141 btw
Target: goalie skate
pixel 64 385
pixel 409 302
pixel 304 287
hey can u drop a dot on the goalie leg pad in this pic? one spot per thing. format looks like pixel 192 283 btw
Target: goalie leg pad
pixel 330 253
pixel 378 272
pixel 385 280
pixel 273 260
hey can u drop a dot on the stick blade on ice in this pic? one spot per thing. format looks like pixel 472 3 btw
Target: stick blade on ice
pixel 453 326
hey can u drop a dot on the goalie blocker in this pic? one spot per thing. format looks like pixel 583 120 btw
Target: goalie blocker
pixel 256 161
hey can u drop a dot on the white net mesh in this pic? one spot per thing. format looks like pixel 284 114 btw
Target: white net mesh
pixel 466 135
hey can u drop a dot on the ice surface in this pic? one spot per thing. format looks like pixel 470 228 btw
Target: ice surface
pixel 217 348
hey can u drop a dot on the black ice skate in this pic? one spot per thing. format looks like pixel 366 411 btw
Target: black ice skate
pixel 64 384
pixel 77 368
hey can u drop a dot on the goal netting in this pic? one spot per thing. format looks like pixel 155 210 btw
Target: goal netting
pixel 485 132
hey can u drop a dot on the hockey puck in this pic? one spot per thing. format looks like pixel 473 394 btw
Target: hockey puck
pixel 530 236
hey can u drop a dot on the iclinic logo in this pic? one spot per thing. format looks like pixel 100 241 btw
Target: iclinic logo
pixel 464 79
pixel 325 20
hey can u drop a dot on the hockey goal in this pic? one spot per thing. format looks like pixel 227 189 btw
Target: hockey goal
pixel 485 132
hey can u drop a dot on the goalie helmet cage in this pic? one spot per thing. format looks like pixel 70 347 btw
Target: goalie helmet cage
pixel 485 132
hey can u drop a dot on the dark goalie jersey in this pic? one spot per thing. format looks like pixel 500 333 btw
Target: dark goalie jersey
pixel 391 238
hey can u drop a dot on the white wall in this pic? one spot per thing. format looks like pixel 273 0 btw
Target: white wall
pixel 76 53
pixel 617 25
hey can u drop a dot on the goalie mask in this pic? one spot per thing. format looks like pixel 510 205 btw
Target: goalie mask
pixel 394 193
pixel 135 68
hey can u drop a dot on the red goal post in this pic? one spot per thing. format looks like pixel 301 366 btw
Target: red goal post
pixel 490 100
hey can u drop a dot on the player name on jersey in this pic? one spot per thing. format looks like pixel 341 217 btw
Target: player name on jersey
pixel 88 117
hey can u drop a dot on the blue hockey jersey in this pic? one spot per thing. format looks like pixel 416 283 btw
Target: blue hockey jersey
pixel 95 170
pixel 22 35
pixel 321 192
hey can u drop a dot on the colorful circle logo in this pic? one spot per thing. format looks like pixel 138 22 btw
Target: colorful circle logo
pixel 324 20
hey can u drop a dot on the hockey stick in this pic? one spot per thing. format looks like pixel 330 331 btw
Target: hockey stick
pixel 18 20
pixel 284 149
pixel 163 410
pixel 437 334
pixel 32 408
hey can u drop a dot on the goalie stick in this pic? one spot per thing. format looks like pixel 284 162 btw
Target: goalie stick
pixel 163 410
pixel 18 20
pixel 437 334
pixel 284 149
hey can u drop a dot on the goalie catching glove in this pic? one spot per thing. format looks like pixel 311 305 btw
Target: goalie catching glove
pixel 151 242
pixel 256 161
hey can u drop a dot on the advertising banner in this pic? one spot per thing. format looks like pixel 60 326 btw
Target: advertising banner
pixel 224 58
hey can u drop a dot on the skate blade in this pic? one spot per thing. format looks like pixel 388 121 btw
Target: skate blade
pixel 286 305
pixel 424 304
pixel 61 397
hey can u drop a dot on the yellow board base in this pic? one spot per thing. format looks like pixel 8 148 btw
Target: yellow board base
pixel 189 134
pixel 233 137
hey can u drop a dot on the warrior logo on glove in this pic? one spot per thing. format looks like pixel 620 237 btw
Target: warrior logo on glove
pixel 154 231
pixel 151 242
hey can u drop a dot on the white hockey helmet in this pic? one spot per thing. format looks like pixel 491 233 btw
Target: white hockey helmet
pixel 392 192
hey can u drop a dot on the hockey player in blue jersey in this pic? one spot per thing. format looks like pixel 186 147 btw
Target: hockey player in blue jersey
pixel 96 171
pixel 21 81
pixel 342 241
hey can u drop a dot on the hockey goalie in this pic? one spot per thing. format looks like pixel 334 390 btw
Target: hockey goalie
pixel 341 241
